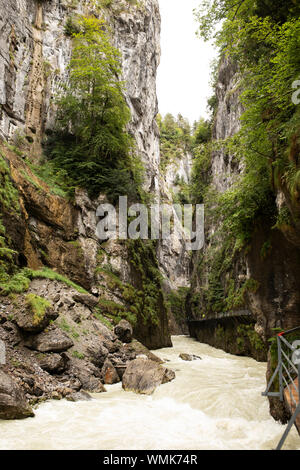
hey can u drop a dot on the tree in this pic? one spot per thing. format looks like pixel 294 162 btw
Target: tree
pixel 262 39
pixel 90 141
pixel 202 133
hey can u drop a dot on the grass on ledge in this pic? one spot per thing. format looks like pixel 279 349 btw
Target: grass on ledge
pixel 20 281
pixel 38 307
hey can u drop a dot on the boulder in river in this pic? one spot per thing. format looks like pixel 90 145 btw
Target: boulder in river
pixel 79 396
pixel 189 357
pixel 135 348
pixel 13 404
pixel 144 376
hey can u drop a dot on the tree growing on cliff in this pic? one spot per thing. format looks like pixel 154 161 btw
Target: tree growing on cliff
pixel 90 141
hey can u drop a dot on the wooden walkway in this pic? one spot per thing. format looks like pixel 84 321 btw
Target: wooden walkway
pixel 290 402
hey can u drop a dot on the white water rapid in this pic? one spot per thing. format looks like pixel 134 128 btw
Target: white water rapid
pixel 214 403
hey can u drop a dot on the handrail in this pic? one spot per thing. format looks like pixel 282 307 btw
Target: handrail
pixel 285 370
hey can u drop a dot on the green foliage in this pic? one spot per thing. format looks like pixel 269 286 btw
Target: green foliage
pixel 64 325
pixel 247 203
pixel 143 301
pixel 72 26
pixel 283 218
pixel 150 299
pixel 78 355
pixel 20 281
pixel 202 132
pixel 38 307
pixel 235 297
pixel 263 40
pixel 223 291
pixel 47 273
pixel 9 204
pixel 247 332
pixel 201 175
pixel 15 283
pixel 9 196
pixel 177 301
pixel 90 142
pixel 175 138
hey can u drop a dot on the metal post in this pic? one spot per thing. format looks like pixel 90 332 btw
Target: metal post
pixel 280 368
pixel 289 427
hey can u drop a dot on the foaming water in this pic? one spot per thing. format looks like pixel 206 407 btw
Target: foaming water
pixel 215 403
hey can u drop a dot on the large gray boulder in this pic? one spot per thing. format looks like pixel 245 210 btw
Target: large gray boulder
pixel 87 374
pixel 96 351
pixel 51 340
pixel 144 376
pixel 13 404
pixel 135 349
pixel 31 320
pixel 86 299
pixel 53 363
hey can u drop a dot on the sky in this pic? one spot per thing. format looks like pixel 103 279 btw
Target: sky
pixel 184 72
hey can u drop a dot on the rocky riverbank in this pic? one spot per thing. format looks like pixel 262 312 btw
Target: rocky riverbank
pixel 64 352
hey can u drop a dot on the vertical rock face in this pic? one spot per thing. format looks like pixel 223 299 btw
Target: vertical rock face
pixel 35 53
pixel 227 123
pixel 137 36
pixel 173 256
pixel 276 302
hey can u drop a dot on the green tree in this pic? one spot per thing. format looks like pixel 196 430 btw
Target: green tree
pixel 90 141
pixel 262 39
pixel 202 132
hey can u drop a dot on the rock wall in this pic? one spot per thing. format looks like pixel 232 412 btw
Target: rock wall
pixel 173 256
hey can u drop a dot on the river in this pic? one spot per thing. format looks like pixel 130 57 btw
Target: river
pixel 214 403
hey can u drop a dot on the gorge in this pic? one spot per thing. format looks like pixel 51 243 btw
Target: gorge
pixel 77 312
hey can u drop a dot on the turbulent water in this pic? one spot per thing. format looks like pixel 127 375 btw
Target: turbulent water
pixel 214 403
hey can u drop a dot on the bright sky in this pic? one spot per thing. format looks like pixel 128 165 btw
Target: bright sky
pixel 184 72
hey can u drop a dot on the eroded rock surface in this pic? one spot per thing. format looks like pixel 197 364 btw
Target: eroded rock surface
pixel 13 404
pixel 52 340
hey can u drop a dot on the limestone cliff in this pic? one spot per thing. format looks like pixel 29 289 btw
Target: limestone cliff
pixel 173 255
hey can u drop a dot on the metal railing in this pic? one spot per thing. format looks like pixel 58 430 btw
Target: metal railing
pixel 287 372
